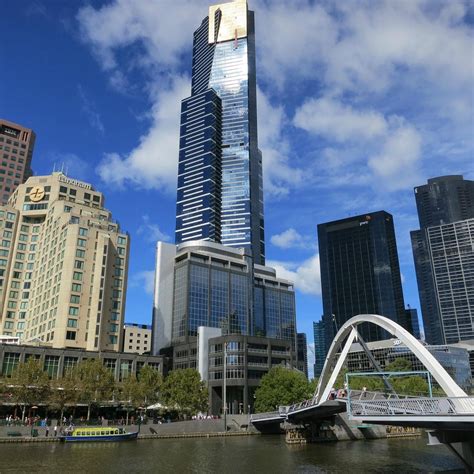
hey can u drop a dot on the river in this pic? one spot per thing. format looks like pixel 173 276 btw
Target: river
pixel 253 454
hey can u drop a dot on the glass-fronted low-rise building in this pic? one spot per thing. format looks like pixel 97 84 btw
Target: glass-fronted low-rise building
pixel 205 284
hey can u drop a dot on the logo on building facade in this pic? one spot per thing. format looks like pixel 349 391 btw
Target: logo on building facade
pixel 36 194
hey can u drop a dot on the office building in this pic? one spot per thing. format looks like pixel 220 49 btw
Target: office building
pixel 412 316
pixel 16 150
pixel 360 273
pixel 217 287
pixel 63 266
pixel 302 353
pixel 136 338
pixel 322 341
pixel 443 200
pixel 454 359
pixel 220 196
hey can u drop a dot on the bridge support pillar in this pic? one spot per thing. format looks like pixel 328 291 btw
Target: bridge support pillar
pixel 460 443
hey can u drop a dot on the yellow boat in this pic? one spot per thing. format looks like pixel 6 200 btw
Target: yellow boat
pixel 88 433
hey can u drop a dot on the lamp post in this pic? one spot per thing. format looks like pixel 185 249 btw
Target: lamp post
pixel 224 390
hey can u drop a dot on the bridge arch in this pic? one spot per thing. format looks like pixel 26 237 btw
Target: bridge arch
pixel 333 365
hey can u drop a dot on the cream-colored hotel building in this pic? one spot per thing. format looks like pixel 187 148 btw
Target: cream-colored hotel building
pixel 63 266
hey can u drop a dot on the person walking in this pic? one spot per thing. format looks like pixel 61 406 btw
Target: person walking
pixel 55 430
pixel 364 391
pixel 47 431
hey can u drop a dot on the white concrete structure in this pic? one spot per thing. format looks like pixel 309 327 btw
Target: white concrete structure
pixel 204 334
pixel 163 296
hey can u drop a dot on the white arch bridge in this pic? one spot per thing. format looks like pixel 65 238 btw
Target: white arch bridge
pixel 450 418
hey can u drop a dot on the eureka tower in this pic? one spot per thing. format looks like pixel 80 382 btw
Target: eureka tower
pixel 220 195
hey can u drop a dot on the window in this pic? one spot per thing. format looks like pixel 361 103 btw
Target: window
pixel 75 299
pixel 72 323
pixel 81 242
pixel 71 335
pixel 73 311
pixel 83 231
pixel 113 327
pixel 121 250
pixel 121 240
pixel 76 287
pixel 80 253
pixel 79 264
pixel 77 276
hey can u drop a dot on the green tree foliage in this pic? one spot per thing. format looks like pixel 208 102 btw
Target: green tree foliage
pixel 64 392
pixel 29 384
pixel 400 364
pixel 281 386
pixel 95 382
pixel 143 391
pixel 184 391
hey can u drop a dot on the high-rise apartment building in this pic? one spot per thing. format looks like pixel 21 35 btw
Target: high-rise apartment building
pixel 360 272
pixel 451 250
pixel 220 196
pixel 136 338
pixel 16 151
pixel 322 333
pixel 63 266
pixel 443 200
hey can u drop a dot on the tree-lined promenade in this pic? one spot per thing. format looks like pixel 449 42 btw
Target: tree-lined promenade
pixel 90 384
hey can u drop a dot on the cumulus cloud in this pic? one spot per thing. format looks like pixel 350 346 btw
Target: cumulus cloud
pixel 290 238
pixel 145 280
pixel 154 162
pixel 152 232
pixel 306 276
pixel 338 121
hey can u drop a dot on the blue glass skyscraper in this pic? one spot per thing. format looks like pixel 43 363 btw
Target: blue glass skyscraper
pixel 220 195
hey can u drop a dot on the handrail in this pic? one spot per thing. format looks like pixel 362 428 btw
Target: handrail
pixel 412 406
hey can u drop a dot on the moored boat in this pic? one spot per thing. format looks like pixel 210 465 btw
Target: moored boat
pixel 108 433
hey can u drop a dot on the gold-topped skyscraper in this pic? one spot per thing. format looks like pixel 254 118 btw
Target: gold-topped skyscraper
pixel 63 266
pixel 220 195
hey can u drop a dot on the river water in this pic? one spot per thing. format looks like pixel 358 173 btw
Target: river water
pixel 252 454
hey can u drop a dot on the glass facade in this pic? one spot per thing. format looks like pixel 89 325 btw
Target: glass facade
pixel 443 200
pixel 218 146
pixel 360 273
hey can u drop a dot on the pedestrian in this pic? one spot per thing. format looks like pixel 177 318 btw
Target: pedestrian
pixel 364 391
pixel 55 430
pixel 47 431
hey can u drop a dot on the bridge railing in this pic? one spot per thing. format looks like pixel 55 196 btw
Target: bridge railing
pixel 262 416
pixel 411 406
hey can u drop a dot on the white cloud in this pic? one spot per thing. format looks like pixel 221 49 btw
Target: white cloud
pixel 152 232
pixel 306 276
pixel 145 280
pixel 397 163
pixel 335 120
pixel 278 175
pixel 290 238
pixel 154 162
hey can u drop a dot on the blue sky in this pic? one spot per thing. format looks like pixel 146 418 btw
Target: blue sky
pixel 358 102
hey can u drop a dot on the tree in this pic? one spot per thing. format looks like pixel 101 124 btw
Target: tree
pixel 150 383
pixel 184 390
pixel 281 386
pixel 400 364
pixel 95 382
pixel 29 384
pixel 64 392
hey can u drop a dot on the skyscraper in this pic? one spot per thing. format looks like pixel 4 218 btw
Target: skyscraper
pixel 443 200
pixel 63 266
pixel 220 196
pixel 360 273
pixel 16 150
pixel 302 353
